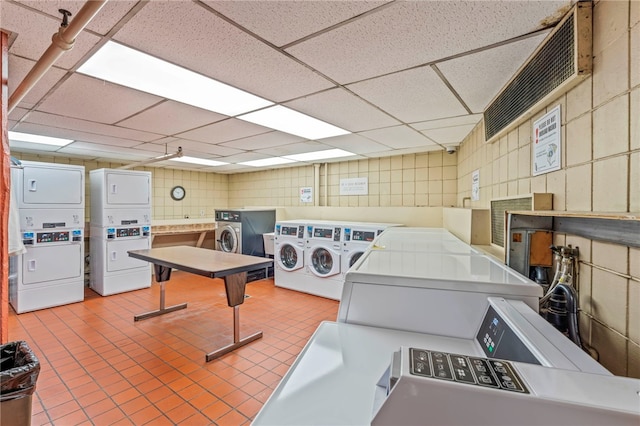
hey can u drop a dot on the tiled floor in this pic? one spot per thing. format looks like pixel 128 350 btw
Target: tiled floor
pixel 100 367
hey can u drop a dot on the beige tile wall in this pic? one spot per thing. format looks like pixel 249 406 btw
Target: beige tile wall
pixel 205 191
pixel 600 172
pixel 414 180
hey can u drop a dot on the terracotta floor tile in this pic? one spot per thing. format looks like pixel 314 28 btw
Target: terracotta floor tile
pixel 109 417
pixel 145 415
pixel 40 419
pixel 181 412
pixel 91 398
pixel 134 405
pixel 99 407
pixel 216 410
pixel 222 389
pixel 250 407
pixel 233 418
pixel 62 410
pixel 159 394
pixel 126 395
pixel 73 418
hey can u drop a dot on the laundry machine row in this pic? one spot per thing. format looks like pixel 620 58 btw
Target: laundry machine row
pixel 312 256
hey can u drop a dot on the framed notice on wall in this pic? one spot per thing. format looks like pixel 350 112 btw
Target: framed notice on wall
pixel 354 186
pixel 306 194
pixel 547 143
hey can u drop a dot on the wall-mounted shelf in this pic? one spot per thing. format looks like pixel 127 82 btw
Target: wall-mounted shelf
pixel 616 228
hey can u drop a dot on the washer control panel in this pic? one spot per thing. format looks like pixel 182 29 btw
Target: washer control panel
pixel 487 372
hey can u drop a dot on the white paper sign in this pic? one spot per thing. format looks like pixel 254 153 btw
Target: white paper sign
pixel 354 186
pixel 306 194
pixel 475 186
pixel 547 143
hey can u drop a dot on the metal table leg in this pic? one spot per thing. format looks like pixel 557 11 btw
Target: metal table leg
pixel 234 286
pixel 163 274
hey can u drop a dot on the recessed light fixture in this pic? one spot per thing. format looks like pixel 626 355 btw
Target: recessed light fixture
pixel 201 161
pixel 289 121
pixel 131 68
pixel 43 140
pixel 273 161
pixel 320 155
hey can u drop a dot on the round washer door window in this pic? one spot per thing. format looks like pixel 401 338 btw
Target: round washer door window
pixel 355 258
pixel 228 241
pixel 322 261
pixel 288 256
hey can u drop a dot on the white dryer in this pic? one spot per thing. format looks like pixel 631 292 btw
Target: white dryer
pixel 289 250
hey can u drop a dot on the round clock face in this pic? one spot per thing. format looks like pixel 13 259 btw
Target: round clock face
pixel 178 193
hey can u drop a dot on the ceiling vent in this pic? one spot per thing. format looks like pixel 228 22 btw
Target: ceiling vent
pixel 561 61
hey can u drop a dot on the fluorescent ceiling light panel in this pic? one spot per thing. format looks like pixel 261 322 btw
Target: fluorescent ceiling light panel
pixel 320 155
pixel 202 161
pixel 44 140
pixel 289 121
pixel 131 68
pixel 267 162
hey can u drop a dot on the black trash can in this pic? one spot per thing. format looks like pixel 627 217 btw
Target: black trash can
pixel 19 370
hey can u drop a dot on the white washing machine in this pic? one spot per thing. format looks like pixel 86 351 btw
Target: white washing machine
pixel 355 374
pixel 50 201
pixel 289 250
pixel 357 238
pixel 401 290
pixel 323 258
pixel 414 240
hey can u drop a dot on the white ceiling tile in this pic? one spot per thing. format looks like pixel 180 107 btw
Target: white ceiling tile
pixel 207 44
pixel 196 149
pixel 108 151
pixel 398 137
pixel 295 148
pixel 447 122
pixel 355 143
pixel 233 168
pixel 34 31
pixel 84 127
pixel 95 100
pixel 170 117
pixel 405 151
pixel 265 140
pixel 449 135
pixel 224 131
pixel 282 22
pixel 17 114
pixel 494 66
pixel 20 67
pixel 411 33
pixel 343 109
pixel 39 129
pixel 245 156
pixel 413 95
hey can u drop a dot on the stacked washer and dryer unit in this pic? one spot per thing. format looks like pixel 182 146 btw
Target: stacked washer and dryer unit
pixel 312 256
pixel 120 221
pixel 241 231
pixel 50 201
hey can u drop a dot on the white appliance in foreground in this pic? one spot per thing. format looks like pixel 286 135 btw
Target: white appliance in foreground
pixel 120 221
pixel 348 374
pixel 428 291
pixel 50 201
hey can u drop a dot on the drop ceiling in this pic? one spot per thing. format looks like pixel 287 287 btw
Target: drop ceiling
pixel 401 76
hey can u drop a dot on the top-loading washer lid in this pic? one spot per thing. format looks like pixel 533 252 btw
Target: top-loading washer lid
pixel 472 273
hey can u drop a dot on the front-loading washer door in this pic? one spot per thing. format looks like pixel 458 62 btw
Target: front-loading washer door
pixel 324 262
pixel 353 257
pixel 228 241
pixel 290 257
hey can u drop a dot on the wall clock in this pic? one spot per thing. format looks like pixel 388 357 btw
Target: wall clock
pixel 178 193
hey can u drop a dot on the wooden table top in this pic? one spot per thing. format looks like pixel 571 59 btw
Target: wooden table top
pixel 201 261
